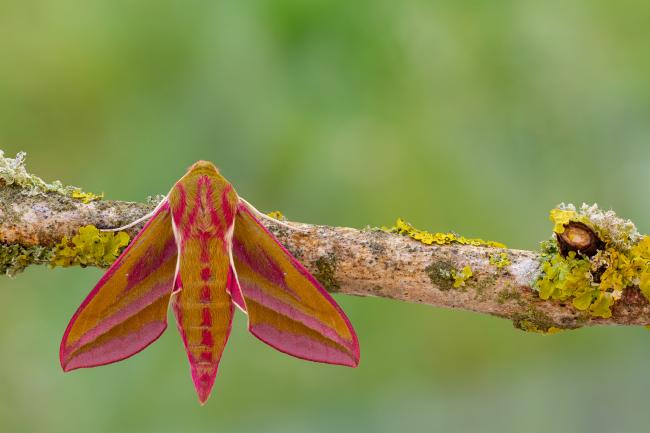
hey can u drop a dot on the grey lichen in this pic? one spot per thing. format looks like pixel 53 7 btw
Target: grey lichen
pixel 14 258
pixel 155 199
pixel 14 172
pixel 377 248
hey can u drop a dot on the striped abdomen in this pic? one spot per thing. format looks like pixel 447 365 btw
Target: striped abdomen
pixel 203 216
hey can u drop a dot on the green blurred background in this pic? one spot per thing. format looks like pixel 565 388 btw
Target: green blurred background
pixel 473 116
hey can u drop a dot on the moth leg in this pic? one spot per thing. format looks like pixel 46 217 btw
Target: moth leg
pixel 139 220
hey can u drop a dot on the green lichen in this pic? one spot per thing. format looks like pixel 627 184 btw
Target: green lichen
pixel 445 276
pixel 14 258
pixel 461 276
pixel 325 272
pixel 528 326
pixel 594 284
pixel 89 246
pixel 535 320
pixel 440 274
pixel 14 172
pixel 403 228
pixel 500 260
pixel 508 295
pixel 484 281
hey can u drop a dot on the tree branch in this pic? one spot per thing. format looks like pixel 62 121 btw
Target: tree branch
pixel 344 260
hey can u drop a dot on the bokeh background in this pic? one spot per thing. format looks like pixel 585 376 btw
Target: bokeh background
pixel 474 116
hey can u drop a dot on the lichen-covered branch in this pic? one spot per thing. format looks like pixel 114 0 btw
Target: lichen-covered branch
pixel 41 225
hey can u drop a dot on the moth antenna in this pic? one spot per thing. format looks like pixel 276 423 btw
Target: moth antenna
pixel 262 215
pixel 138 221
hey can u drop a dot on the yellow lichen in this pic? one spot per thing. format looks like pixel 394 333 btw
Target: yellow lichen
pixel 561 218
pixel 567 277
pixel 641 263
pixel 89 247
pixel 621 271
pixel 461 276
pixel 500 260
pixel 85 197
pixel 276 214
pixel 595 283
pixel 530 326
pixel 602 305
pixel 403 228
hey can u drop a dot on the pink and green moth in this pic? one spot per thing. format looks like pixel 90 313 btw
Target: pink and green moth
pixel 204 251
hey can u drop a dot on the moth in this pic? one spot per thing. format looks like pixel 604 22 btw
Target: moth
pixel 204 251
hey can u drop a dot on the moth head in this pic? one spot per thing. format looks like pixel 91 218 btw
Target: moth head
pixel 203 167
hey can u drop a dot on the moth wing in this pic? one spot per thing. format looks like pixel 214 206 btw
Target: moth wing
pixel 287 308
pixel 127 309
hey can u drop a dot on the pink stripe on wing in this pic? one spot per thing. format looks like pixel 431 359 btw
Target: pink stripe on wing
pixel 256 294
pixel 302 346
pixel 182 202
pixel 119 348
pixel 264 265
pixel 226 206
pixel 149 263
pixel 130 310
